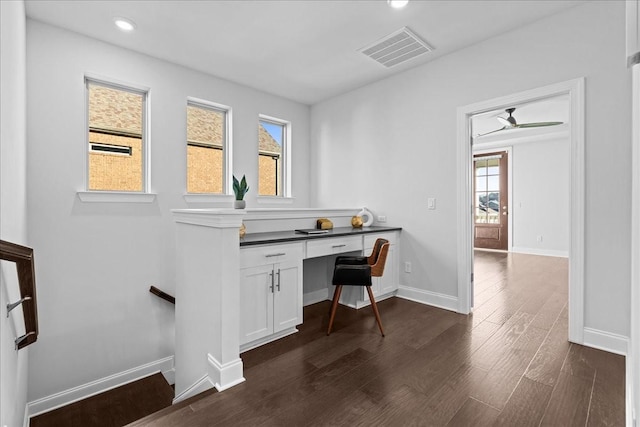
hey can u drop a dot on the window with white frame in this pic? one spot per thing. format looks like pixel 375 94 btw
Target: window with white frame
pixel 273 151
pixel 207 147
pixel 116 135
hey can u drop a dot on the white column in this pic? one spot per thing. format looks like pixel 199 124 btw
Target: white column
pixel 207 300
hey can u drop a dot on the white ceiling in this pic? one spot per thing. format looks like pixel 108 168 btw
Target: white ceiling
pixel 302 50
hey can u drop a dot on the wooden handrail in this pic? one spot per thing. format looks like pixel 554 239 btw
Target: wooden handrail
pixel 162 294
pixel 23 257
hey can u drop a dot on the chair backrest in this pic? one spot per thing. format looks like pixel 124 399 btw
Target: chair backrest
pixel 378 257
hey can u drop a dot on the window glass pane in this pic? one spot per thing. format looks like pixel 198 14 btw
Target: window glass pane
pixel 481 183
pixel 271 137
pixel 115 139
pixel 493 207
pixel 206 140
pixel 481 167
pixel 492 164
pixel 493 183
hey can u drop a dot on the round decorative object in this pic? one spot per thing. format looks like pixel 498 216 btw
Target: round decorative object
pixel 243 230
pixel 356 221
pixel 239 204
pixel 367 217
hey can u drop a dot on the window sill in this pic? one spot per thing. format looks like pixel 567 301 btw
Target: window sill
pixel 115 197
pixel 208 198
pixel 275 200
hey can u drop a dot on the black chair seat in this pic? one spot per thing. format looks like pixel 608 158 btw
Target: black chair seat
pixel 352 275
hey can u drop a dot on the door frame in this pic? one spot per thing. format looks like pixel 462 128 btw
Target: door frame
pixel 464 158
pixel 508 149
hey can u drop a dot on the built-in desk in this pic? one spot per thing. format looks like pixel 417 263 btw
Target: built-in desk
pixel 214 271
pixel 275 283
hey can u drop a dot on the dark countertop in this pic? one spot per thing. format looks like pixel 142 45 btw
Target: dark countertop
pixel 291 236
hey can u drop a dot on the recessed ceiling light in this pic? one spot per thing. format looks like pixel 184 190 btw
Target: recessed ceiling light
pixel 125 24
pixel 397 4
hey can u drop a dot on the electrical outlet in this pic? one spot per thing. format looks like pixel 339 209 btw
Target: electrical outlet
pixel 431 203
pixel 539 239
pixel 382 218
pixel 407 267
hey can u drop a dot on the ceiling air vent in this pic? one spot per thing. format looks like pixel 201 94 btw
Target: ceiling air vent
pixel 396 48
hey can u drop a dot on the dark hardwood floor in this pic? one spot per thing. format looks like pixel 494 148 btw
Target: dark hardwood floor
pixel 113 408
pixel 507 364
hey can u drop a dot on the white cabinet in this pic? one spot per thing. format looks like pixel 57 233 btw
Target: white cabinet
pixel 270 292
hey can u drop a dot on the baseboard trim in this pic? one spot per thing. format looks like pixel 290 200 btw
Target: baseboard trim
pixel 66 397
pixel 542 252
pixel 606 341
pixel 202 385
pixel 315 297
pixel 225 375
pixel 262 341
pixel 429 298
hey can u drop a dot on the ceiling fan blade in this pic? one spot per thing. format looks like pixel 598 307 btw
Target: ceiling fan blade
pixel 493 131
pixel 537 125
pixel 504 121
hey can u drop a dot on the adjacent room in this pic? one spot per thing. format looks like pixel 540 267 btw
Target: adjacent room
pixel 309 212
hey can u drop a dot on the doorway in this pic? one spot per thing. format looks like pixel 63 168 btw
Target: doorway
pixel 575 91
pixel 491 201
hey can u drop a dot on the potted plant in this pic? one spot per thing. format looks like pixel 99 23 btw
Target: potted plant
pixel 240 188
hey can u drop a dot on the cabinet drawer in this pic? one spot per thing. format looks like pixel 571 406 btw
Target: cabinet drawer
pixel 330 246
pixel 270 254
pixel 370 239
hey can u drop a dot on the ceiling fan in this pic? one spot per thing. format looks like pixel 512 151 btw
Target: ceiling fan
pixel 511 123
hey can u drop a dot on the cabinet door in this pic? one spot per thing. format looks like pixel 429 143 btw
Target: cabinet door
pixel 287 297
pixel 256 307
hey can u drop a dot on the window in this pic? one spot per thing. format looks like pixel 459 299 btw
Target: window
pixel 273 150
pixel 207 162
pixel 116 117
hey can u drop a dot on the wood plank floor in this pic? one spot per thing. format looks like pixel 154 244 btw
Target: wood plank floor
pixel 507 364
pixel 112 408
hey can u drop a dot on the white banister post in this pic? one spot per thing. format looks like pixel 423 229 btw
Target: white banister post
pixel 207 323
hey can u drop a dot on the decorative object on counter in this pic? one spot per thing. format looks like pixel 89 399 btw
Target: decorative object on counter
pixel 356 221
pixel 324 224
pixel 243 230
pixel 367 217
pixel 240 188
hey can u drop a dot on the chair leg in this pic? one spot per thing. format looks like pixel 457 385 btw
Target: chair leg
pixel 375 309
pixel 334 306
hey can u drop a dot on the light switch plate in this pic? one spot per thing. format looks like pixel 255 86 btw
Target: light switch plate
pixel 431 203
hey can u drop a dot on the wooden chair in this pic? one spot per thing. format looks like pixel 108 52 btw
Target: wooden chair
pixel 357 271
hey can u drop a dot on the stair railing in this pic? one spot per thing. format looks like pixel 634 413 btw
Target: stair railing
pixel 22 256
pixel 162 294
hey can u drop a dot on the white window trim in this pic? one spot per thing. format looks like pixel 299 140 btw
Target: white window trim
pixel 227 149
pixel 100 196
pixel 286 154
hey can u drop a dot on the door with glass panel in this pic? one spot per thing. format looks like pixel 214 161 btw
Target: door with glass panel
pixel 490 200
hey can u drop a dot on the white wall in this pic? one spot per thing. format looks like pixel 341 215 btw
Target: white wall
pixel 541 197
pixel 399 136
pixel 96 260
pixel 13 205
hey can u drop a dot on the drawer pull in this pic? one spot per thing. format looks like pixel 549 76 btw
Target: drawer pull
pixel 338 246
pixel 272 255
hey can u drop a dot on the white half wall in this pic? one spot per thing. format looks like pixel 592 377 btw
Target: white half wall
pixel 398 135
pixel 13 206
pixel 96 261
